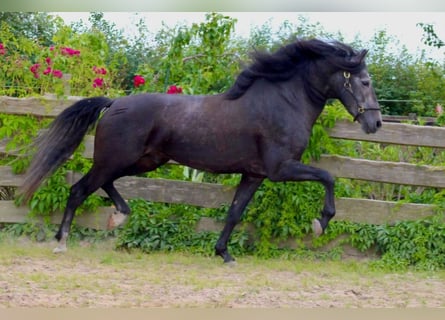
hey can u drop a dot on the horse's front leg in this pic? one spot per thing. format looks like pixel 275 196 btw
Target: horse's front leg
pixel 293 170
pixel 244 193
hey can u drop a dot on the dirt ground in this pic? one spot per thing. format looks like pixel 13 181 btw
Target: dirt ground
pixel 86 277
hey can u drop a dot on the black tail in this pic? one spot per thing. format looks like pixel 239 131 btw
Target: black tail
pixel 57 144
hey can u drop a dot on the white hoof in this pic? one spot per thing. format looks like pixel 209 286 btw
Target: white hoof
pixel 116 219
pixel 61 245
pixel 60 249
pixel 316 228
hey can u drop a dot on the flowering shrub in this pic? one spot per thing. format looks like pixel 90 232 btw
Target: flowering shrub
pixel 74 64
pixel 48 69
pixel 35 68
pixel 99 81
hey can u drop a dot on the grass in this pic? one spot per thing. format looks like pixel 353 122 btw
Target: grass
pixel 100 276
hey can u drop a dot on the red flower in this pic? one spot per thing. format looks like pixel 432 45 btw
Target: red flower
pixel 138 81
pixel 35 68
pixel 98 70
pixel 98 82
pixel 57 73
pixel 47 71
pixel 174 90
pixel 69 51
pixel 2 49
pixel 48 61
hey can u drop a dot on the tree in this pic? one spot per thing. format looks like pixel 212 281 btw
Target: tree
pixel 199 58
pixel 38 26
pixel 396 75
pixel 430 38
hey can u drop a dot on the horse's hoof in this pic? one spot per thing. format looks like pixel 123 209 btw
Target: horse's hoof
pixel 58 250
pixel 227 258
pixel 317 228
pixel 116 219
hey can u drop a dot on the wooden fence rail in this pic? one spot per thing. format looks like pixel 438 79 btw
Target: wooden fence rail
pixel 215 195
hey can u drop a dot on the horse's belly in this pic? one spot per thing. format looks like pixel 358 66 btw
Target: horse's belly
pixel 217 161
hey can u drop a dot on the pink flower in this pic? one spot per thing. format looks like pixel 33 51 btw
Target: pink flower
pixel 35 68
pixel 51 48
pixel 174 90
pixel 98 70
pixel 48 61
pixel 47 71
pixel 69 51
pixel 2 49
pixel 138 81
pixel 98 82
pixel 57 73
pixel 439 109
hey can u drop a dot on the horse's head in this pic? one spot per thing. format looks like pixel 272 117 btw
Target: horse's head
pixel 355 91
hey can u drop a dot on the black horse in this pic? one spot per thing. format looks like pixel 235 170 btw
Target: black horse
pixel 259 128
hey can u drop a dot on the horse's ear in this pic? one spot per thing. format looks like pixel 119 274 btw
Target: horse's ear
pixel 358 58
pixel 362 54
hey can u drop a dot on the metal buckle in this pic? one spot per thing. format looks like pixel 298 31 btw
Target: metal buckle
pixel 361 109
pixel 347 84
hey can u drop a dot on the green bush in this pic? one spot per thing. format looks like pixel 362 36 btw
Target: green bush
pixel 168 227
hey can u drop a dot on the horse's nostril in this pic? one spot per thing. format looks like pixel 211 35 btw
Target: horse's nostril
pixel 379 124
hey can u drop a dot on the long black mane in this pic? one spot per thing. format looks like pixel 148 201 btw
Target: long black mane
pixel 295 58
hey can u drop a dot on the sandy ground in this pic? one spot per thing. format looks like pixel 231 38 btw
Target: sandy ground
pixel 112 279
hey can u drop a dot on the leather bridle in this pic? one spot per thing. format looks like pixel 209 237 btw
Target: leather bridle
pixel 348 87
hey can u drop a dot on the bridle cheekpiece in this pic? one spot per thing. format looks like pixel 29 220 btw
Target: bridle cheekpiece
pixel 348 87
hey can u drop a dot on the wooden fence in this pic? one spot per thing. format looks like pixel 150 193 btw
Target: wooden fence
pixel 215 195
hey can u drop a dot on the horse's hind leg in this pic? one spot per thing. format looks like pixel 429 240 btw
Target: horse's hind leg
pixel 146 163
pixel 120 215
pixel 89 183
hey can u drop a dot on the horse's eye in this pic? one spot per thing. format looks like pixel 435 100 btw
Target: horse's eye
pixel 366 82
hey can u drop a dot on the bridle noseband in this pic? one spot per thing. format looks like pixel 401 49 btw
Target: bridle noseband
pixel 348 87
